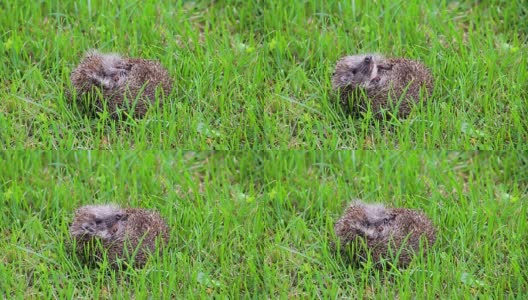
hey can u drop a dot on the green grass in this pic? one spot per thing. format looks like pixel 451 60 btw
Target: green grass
pixel 256 74
pixel 260 223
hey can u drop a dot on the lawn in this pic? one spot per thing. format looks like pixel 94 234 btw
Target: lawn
pixel 259 224
pixel 252 76
pixel 256 74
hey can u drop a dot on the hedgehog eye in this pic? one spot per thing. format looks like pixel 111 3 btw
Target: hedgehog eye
pixel 98 221
pixel 119 216
pixel 386 221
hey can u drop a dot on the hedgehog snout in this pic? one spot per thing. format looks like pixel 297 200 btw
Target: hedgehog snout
pixel 89 227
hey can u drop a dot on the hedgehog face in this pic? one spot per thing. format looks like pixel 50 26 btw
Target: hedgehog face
pixel 355 71
pixel 372 229
pixel 105 70
pixel 113 77
pixel 114 69
pixel 97 221
pixel 382 228
pixel 371 221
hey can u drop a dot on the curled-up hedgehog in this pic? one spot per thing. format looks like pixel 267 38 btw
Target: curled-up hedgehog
pixel 118 83
pixel 383 233
pixel 128 234
pixel 384 84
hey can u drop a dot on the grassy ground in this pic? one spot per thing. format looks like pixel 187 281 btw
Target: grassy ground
pixel 260 223
pixel 256 74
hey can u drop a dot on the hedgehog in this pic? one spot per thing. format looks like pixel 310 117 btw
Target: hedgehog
pixel 384 84
pixel 120 234
pixel 119 84
pixel 384 233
